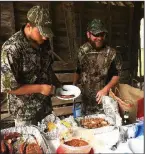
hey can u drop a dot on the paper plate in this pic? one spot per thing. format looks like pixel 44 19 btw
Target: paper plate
pixel 68 90
pixel 136 145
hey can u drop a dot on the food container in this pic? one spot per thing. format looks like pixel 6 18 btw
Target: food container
pixel 31 132
pixel 43 127
pixel 61 130
pixel 100 130
pixel 73 149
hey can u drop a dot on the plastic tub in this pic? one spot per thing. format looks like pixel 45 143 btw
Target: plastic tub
pixel 71 149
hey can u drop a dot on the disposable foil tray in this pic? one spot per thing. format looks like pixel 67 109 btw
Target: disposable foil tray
pixel 103 129
pixel 30 132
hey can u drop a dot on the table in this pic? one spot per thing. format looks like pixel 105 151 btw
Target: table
pixel 102 143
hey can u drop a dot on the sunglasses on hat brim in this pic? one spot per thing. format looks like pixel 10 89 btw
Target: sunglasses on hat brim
pixel 102 34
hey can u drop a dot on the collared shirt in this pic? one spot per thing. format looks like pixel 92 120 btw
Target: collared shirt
pixel 22 64
pixel 96 69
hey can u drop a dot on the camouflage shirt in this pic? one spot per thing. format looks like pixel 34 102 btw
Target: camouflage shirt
pixel 22 64
pixel 96 68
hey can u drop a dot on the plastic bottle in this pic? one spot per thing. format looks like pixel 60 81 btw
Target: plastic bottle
pixel 136 130
pixel 126 118
pixel 140 129
pixel 77 112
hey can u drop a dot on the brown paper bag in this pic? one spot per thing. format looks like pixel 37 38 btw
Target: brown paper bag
pixel 127 97
pixel 125 105
pixel 128 92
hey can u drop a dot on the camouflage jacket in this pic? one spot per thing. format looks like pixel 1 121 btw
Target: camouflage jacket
pixel 94 67
pixel 21 64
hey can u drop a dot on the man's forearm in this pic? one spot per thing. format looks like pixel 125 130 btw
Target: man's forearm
pixel 27 89
pixel 76 78
pixel 112 83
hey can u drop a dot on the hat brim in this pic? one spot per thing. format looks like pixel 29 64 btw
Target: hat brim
pixel 45 31
pixel 99 31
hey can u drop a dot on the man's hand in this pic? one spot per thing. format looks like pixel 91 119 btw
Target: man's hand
pixel 101 93
pixel 106 89
pixel 46 89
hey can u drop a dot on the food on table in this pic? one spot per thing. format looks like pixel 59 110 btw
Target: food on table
pixel 8 141
pixel 10 148
pixel 33 148
pixel 3 149
pixel 65 123
pixel 76 143
pixel 65 134
pixel 22 148
pixel 11 135
pixel 93 122
pixel 67 96
pixel 51 126
pixel 30 148
pixel 65 130
pixel 14 143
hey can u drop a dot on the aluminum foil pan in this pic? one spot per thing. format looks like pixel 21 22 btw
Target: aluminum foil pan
pixel 111 110
pixel 104 129
pixel 30 132
pixel 60 130
pixel 54 134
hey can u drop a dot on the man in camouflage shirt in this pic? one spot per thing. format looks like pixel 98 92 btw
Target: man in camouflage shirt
pixel 26 72
pixel 98 68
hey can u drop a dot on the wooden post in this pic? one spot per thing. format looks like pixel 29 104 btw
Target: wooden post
pixel 109 23
pixel 69 16
pixel 131 10
pixel 136 38
pixel 7 18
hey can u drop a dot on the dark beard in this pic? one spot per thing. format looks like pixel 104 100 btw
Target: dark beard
pixel 94 45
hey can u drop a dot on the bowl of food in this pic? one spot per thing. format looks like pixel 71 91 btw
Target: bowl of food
pixel 75 145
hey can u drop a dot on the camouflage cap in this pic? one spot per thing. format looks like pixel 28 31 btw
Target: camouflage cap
pixel 40 17
pixel 96 26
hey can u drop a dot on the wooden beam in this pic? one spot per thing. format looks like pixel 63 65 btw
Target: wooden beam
pixel 130 4
pixel 65 77
pixel 103 2
pixel 121 4
pixel 7 18
pixel 112 3
pixel 56 101
pixel 59 111
pixel 6 116
pixel 3 108
pixel 59 66
pixel 110 23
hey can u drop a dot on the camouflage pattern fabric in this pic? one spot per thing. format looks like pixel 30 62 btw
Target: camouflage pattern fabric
pixel 40 17
pixel 96 26
pixel 94 68
pixel 21 64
